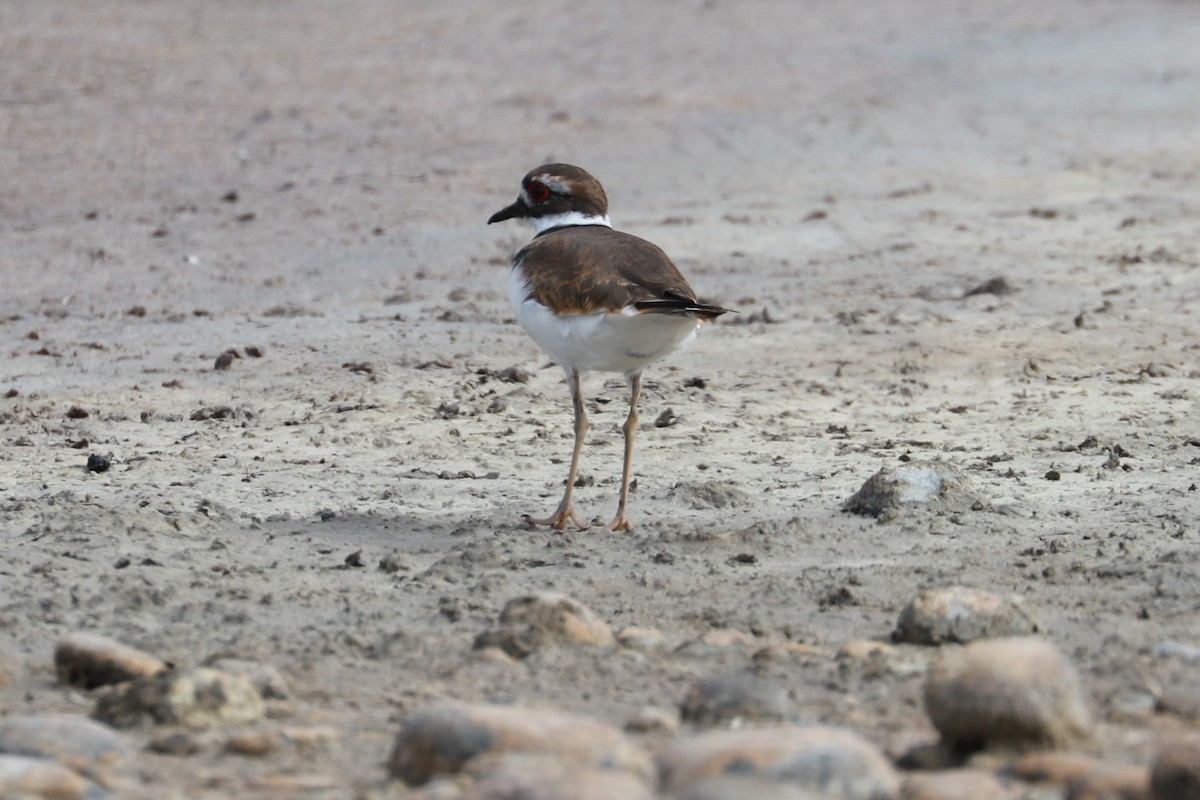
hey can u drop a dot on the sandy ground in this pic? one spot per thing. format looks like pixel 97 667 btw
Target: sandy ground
pixel 310 180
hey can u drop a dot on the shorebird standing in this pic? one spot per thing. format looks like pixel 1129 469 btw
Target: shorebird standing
pixel 594 299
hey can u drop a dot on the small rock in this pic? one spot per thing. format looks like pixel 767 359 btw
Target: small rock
pixel 25 778
pixel 492 654
pixel 889 490
pixel 1114 782
pixel 254 744
pixel 1179 701
pixel 644 639
pixel 734 787
pixel 960 614
pixel 1059 768
pixel 785 652
pixel 864 650
pixel 955 784
pixel 176 743
pixel 1175 772
pixel 395 562
pixel 741 696
pixel 98 463
pixel 292 785
pixel 545 619
pixel 198 698
pixel 89 660
pixel 652 720
pixel 712 494
pixel 834 761
pixel 715 641
pixel 997 286
pixel 526 776
pixel 1018 693
pixel 309 738
pixel 1177 650
pixel 443 738
pixel 268 680
pixel 225 360
pixel 62 736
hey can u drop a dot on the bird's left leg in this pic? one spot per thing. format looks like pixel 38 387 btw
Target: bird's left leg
pixel 620 521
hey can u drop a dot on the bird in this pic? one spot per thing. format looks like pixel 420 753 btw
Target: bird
pixel 594 299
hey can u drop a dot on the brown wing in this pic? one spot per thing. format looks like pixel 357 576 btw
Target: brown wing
pixel 583 270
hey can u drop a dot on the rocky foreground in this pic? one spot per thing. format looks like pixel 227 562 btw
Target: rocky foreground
pixel 1007 706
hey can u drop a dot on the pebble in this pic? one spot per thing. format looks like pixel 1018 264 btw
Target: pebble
pixel 1175 772
pixel 25 778
pixel 542 620
pixel 1018 693
pixel 956 784
pixel 90 660
pixel 196 698
pixel 825 759
pixel 443 738
pixel 63 736
pixel 961 614
pixel 742 696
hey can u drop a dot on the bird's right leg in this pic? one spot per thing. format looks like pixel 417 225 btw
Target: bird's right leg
pixel 566 511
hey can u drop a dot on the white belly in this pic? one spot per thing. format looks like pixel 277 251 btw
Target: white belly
pixel 624 342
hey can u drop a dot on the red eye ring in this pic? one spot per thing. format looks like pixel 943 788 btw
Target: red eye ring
pixel 538 192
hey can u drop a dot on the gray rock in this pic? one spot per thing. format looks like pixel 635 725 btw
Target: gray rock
pixel 268 680
pixel 62 736
pixel 833 761
pixel 25 778
pixel 1179 701
pixel 1177 650
pixel 956 784
pixel 197 698
pixel 1012 694
pixel 732 787
pixel 741 696
pixel 525 776
pixel 711 494
pixel 960 614
pixel 90 660
pixel 912 485
pixel 542 620
pixel 1175 773
pixel 446 737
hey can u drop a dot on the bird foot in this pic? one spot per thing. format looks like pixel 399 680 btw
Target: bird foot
pixel 619 523
pixel 558 520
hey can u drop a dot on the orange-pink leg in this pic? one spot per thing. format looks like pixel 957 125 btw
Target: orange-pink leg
pixel 566 511
pixel 620 521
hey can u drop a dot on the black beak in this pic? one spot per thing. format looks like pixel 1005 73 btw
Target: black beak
pixel 517 209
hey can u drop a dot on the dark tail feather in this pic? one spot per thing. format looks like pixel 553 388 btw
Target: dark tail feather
pixel 672 303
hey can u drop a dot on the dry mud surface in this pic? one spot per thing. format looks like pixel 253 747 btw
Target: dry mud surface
pixel 962 233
